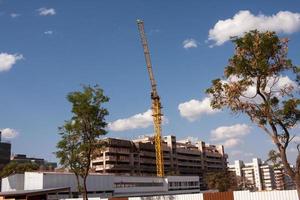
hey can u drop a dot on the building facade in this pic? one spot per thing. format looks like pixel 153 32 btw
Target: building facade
pixel 137 157
pixel 261 176
pixel 5 151
pixel 99 185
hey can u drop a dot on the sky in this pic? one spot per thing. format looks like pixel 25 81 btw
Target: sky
pixel 50 48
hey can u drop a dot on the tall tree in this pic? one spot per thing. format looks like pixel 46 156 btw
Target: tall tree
pixel 80 135
pixel 261 82
pixel 222 181
pixel 18 168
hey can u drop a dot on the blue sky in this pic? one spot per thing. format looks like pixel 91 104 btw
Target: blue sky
pixel 51 47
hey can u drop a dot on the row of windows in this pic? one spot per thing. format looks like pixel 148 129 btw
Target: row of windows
pixel 178 184
pixel 126 185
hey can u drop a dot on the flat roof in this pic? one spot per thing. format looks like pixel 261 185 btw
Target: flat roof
pixel 32 192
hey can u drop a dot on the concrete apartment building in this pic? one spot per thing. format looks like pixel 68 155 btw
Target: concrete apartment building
pixel 282 180
pixel 137 157
pixel 261 176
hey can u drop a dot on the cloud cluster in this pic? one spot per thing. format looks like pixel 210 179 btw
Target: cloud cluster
pixel 236 153
pixel 232 142
pixel 230 136
pixel 46 11
pixel 49 32
pixel 193 109
pixel 140 120
pixel 137 121
pixel 243 21
pixel 8 60
pixel 15 15
pixel 190 43
pixel 8 133
pixel 226 132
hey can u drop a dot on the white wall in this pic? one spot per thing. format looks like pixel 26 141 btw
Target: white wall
pixel 171 197
pixel 239 195
pixel 13 183
pixel 266 195
pixel 134 179
pixel 94 182
pixel 33 181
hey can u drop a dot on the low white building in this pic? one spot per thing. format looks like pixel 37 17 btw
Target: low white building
pixel 103 185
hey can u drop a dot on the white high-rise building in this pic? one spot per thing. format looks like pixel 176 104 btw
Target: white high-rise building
pixel 261 176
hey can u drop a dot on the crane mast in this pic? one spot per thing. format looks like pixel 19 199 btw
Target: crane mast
pixel 156 105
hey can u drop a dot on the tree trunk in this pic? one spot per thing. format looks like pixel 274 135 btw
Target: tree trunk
pixel 78 184
pixel 294 174
pixel 297 183
pixel 84 195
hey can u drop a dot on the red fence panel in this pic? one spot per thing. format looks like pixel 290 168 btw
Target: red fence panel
pixel 218 196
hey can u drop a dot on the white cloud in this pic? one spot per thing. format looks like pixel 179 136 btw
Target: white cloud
pixel 15 15
pixel 140 120
pixel 49 32
pixel 229 132
pixel 232 142
pixel 8 60
pixel 8 133
pixel 236 153
pixel 243 21
pixel 241 153
pixel 194 108
pixel 190 43
pixel 46 11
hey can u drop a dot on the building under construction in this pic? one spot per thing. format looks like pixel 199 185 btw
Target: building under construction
pixel 137 157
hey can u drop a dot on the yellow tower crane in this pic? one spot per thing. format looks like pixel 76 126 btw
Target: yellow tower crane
pixel 156 105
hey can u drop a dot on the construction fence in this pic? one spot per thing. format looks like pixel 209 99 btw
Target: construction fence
pixel 238 195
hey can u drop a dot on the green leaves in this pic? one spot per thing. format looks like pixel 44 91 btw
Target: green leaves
pixel 222 181
pixel 258 54
pixel 264 84
pixel 252 85
pixel 80 135
pixel 18 168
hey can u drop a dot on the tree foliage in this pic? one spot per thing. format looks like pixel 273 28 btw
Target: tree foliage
pixel 80 135
pixel 274 159
pixel 18 168
pixel 222 181
pixel 262 82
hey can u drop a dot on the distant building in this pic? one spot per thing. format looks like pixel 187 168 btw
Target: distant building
pixel 22 158
pixel 282 180
pixel 5 151
pixel 137 157
pixel 261 176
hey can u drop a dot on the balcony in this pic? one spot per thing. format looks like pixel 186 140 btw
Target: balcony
pixel 114 166
pixel 117 150
pixel 188 151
